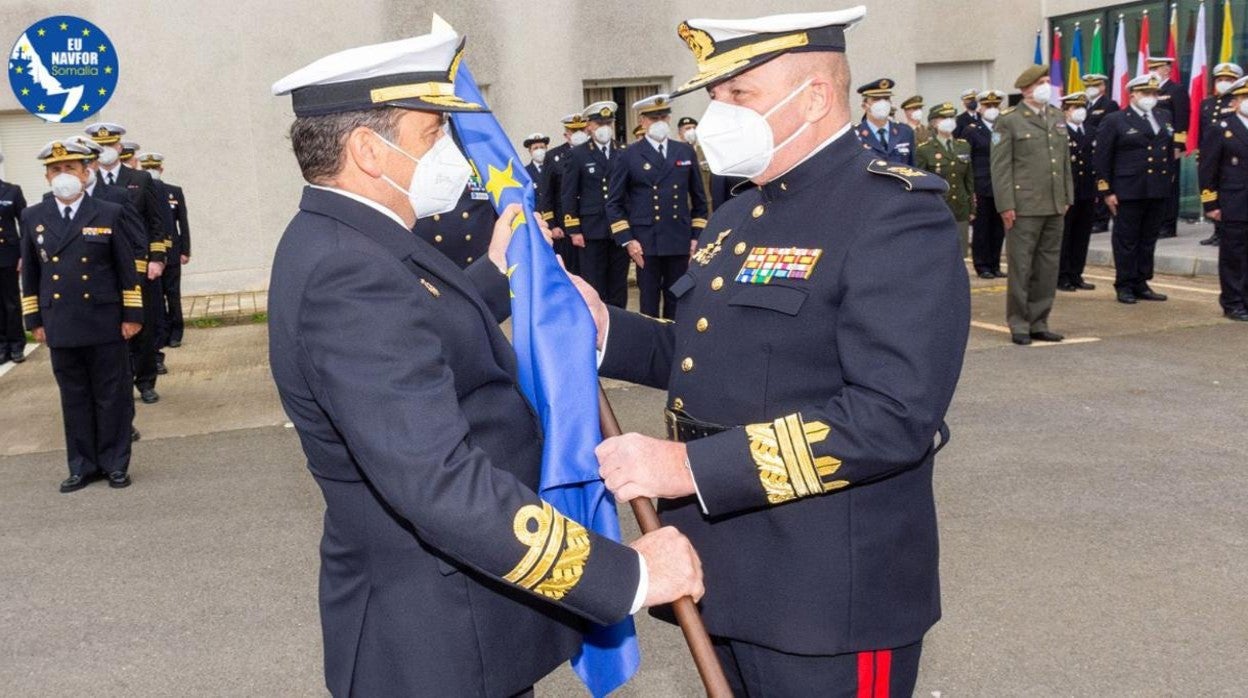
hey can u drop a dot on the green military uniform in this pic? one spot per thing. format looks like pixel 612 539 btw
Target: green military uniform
pixel 950 158
pixel 921 131
pixel 1031 176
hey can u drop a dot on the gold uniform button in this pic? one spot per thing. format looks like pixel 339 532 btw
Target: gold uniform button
pixel 717 283
pixel 703 324
pixel 739 249
pixel 56 296
pixel 437 217
pixel 468 237
pixel 464 215
pixel 437 238
pixel 687 364
pixel 56 277
pixel 86 295
pixel 56 259
pixel 85 277
pixel 84 260
pixel 678 404
pixel 758 211
pixel 470 260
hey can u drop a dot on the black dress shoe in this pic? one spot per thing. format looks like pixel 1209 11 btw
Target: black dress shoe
pixel 17 356
pixel 1020 339
pixel 1047 336
pixel 987 275
pixel 1126 297
pixel 73 483
pixel 175 343
pixel 1149 294
pixel 1084 286
pixel 160 369
pixel 149 396
pixel 1066 287
pixel 118 480
pixel 1000 274
pixel 134 435
pixel 1212 240
pixel 1240 315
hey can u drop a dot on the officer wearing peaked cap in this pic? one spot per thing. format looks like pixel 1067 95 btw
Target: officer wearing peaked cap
pixel 988 230
pixel 885 138
pixel 950 158
pixel 1133 169
pixel 586 174
pixel 1215 108
pixel 425 450
pixel 537 145
pixel 549 200
pixel 1223 181
pixel 657 206
pixel 12 336
pixel 970 112
pixel 177 253
pixel 1100 103
pixel 82 298
pixel 808 371
pixel 1172 97
pixel 1077 230
pixel 912 111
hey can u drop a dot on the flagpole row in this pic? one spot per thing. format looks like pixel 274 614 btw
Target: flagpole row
pixel 687 615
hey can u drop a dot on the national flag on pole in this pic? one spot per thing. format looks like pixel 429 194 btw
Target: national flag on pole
pixel 1120 77
pixel 1039 59
pixel 1141 57
pixel 1198 84
pixel 1074 74
pixel 1096 61
pixel 554 339
pixel 1227 52
pixel 1172 43
pixel 1055 70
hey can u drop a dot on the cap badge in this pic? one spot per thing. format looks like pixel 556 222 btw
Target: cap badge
pixel 699 41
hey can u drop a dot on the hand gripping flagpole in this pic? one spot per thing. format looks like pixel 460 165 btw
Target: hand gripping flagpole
pixel 686 611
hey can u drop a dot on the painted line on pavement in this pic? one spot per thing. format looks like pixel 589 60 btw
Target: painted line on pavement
pixel 1175 287
pixel 1005 330
pixel 8 366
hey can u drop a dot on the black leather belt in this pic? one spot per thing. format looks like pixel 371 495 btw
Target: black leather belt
pixel 683 428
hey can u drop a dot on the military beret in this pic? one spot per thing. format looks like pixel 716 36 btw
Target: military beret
pixel 915 102
pixel 877 88
pixel 1228 70
pixel 104 132
pixel 942 111
pixel 1095 79
pixel 991 97
pixel 1239 87
pixel 1075 99
pixel 725 48
pixel 686 121
pixel 416 73
pixel 1158 61
pixel 654 105
pixel 1144 83
pixel 574 122
pixel 1029 76
pixel 600 111
pixel 150 161
pixel 64 151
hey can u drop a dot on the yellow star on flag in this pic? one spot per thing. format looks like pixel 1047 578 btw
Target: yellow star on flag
pixel 86 32
pixel 103 91
pixel 42 32
pixel 41 107
pixel 108 70
pixel 86 107
pixel 499 181
pixel 103 48
pixel 511 270
pixel 25 91
pixel 64 26
pixel 18 68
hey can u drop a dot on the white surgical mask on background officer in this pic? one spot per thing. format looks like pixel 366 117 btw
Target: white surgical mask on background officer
pixel 1077 116
pixel 1221 86
pixel 538 153
pixel 946 126
pixel 1092 91
pixel 578 138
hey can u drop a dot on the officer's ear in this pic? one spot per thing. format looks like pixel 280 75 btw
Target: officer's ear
pixel 820 101
pixel 364 150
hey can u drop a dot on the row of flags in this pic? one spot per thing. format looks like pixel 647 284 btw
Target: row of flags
pixel 1072 80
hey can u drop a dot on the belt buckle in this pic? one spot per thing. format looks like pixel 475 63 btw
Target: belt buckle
pixel 669 419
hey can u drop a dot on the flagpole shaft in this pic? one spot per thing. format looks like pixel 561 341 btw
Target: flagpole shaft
pixel 696 637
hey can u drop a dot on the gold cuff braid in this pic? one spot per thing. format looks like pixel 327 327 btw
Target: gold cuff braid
pixel 558 549
pixel 787 468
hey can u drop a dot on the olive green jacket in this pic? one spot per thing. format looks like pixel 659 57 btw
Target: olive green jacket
pixel 1031 162
pixel 956 169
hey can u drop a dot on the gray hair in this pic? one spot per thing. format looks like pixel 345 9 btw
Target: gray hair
pixel 318 141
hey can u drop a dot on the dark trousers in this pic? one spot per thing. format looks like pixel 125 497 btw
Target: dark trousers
pixel 570 255
pixel 988 235
pixel 604 265
pixel 1075 238
pixel 654 280
pixel 171 286
pixel 143 344
pixel 1233 265
pixel 758 671
pixel 96 406
pixel 1134 241
pixel 1102 216
pixel 12 335
pixel 1170 216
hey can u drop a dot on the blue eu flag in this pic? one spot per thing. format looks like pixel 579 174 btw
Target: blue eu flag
pixel 554 338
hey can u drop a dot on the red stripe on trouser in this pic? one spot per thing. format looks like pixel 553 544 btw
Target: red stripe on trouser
pixel 866 674
pixel 883 667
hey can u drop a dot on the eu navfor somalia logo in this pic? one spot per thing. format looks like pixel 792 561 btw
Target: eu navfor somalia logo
pixel 63 69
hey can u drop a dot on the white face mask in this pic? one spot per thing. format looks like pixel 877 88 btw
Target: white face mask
pixel 1093 92
pixel 539 155
pixel 991 113
pixel 66 186
pixel 659 131
pixel 108 157
pixel 439 178
pixel 691 136
pixel 1146 103
pixel 155 174
pixel 1243 107
pixel 579 138
pixel 946 126
pixel 1222 86
pixel 1042 93
pixel 603 134
pixel 880 109
pixel 738 141
pixel 1077 115
pixel 916 114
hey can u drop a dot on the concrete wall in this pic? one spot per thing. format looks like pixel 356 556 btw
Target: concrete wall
pixel 195 78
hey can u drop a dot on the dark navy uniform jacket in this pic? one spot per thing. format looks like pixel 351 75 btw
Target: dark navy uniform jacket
pixel 965 119
pixel 131 227
pixel 139 186
pixel 1131 161
pixel 1224 169
pixel 78 278
pixel 549 190
pixel 11 205
pixel 1082 170
pixel 442 572
pixel 1173 98
pixel 834 378
pixel 657 201
pixel 980 137
pixel 1098 110
pixel 463 234
pixel 178 233
pixel 1212 110
pixel 901 144
pixel 583 190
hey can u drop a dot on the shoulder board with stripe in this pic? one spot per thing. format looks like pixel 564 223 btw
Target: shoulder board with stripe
pixel 1008 110
pixel 914 178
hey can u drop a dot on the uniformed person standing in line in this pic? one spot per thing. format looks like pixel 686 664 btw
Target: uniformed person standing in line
pixel 808 371
pixel 886 139
pixel 537 144
pixel 587 169
pixel 1099 104
pixel 177 252
pixel 1223 183
pixel 912 108
pixel 988 231
pixel 81 297
pixel 1134 160
pixel 138 186
pixel 460 234
pixel 971 112
pixel 657 206
pixel 950 159
pixel 687 132
pixel 549 203
pixel 1215 108
pixel 1172 97
pixel 1079 217
pixel 12 336
pixel 1033 189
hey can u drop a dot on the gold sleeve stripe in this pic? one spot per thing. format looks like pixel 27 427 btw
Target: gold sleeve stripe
pixel 1180 138
pixel 558 550
pixel 699 222
pixel 619 227
pixel 548 216
pixel 140 265
pixel 157 246
pixel 571 220
pixel 1102 185
pixel 1207 195
pixel 787 468
pixel 30 305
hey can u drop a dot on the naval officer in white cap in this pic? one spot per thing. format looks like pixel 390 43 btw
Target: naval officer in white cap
pixel 442 571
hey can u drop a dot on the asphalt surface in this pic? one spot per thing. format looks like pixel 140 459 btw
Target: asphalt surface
pixel 1094 540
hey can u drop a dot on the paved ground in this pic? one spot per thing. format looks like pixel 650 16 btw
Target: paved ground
pixel 1094 540
pixel 1182 255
